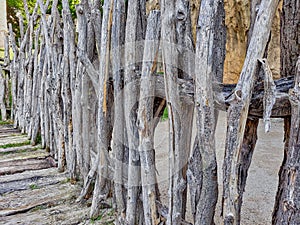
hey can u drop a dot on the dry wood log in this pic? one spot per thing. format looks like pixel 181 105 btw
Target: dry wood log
pixel 80 70
pixel 68 65
pixel 35 107
pixel 18 166
pixel 176 35
pixel 86 133
pixel 186 70
pixel 289 43
pixel 288 211
pixel 134 35
pixel 102 185
pixel 238 110
pixel 206 193
pixel 47 74
pixel 2 94
pixel 28 78
pixel 117 43
pixel 145 118
pixel 13 71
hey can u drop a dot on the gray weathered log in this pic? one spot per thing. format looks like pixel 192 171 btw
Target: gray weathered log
pixel 205 198
pixel 35 107
pixel 145 118
pixel 102 185
pixel 288 200
pixel 176 46
pixel 238 110
pixel 289 51
pixel 2 94
pixel 134 35
pixel 69 65
pixel 117 55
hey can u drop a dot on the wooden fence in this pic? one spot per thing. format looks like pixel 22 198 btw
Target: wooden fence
pixel 94 93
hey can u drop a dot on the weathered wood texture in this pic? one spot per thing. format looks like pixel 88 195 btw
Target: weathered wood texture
pixel 203 165
pixel 288 199
pixel 145 118
pixel 289 32
pixel 238 110
pixel 2 94
pixel 98 90
pixel 134 36
pixel 290 20
pixel 119 146
pixel 177 46
pixel 102 188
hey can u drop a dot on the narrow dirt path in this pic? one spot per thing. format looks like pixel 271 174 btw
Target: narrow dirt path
pixel 31 189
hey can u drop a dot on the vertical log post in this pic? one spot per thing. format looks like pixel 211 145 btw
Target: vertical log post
pixel 177 43
pixel 117 45
pixel 288 211
pixel 145 118
pixel 69 65
pixel 238 110
pixel 204 182
pixel 102 187
pixel 2 95
pixel 289 51
pixel 134 35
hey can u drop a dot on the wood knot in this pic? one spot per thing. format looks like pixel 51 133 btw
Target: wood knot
pixel 294 96
pixel 229 219
pixel 79 9
pixel 181 15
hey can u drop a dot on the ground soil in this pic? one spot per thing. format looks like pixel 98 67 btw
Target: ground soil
pixel 33 192
pixel 262 182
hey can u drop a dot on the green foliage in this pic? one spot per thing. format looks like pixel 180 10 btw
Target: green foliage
pixel 15 7
pixel 72 4
pixel 165 115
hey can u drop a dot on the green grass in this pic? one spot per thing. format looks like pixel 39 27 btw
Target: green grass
pixel 67 180
pixel 97 218
pixel 33 186
pixel 7 122
pixel 11 145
